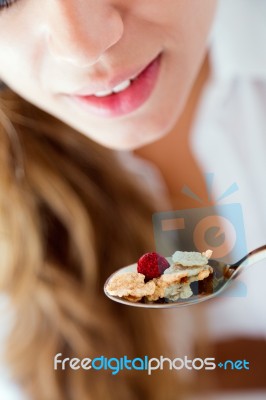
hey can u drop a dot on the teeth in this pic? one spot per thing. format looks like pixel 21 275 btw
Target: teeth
pixel 119 88
pixel 103 93
pixel 122 86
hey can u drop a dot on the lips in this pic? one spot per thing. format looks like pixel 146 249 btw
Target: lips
pixel 125 97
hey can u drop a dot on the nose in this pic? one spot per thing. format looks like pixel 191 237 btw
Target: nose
pixel 80 32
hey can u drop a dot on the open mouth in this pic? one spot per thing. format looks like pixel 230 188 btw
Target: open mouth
pixel 125 97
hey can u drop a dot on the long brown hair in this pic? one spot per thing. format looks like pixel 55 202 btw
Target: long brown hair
pixel 70 215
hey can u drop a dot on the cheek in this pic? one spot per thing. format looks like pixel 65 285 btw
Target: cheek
pixel 190 21
pixel 18 70
pixel 199 22
pixel 191 29
pixel 20 48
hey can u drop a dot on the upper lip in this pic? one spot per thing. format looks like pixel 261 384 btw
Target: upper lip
pixel 111 81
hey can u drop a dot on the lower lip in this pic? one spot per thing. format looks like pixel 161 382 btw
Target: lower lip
pixel 127 101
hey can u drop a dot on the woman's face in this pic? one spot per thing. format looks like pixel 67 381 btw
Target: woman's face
pixel 118 71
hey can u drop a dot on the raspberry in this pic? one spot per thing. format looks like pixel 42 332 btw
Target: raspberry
pixel 152 265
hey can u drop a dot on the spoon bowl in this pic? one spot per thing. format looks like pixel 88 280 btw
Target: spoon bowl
pixel 203 290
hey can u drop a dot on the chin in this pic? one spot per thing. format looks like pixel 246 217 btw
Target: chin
pixel 136 137
pixel 137 131
pixel 124 142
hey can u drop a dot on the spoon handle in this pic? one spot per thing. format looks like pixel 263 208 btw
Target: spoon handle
pixel 251 258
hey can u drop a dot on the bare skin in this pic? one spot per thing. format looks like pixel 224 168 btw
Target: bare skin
pixel 172 153
pixel 59 55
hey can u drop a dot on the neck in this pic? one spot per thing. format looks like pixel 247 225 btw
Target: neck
pixel 172 154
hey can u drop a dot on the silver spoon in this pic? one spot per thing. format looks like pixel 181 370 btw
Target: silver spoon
pixel 204 290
